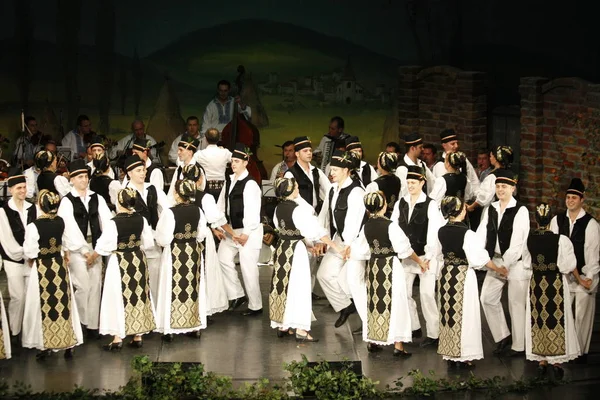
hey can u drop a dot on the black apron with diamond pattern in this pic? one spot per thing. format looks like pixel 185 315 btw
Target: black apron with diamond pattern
pixel 54 286
pixel 186 268
pixel 289 236
pixel 546 295
pixel 134 274
pixel 451 288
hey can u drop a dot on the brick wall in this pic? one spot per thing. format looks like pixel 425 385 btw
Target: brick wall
pixel 433 99
pixel 560 140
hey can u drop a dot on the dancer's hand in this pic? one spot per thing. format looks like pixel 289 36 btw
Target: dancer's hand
pixel 502 271
pixel 218 234
pixel 585 282
pixel 424 265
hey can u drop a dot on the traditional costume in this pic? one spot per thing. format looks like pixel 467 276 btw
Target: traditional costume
pixel 439 169
pixel 365 171
pixel 388 183
pixel 48 179
pixel 5 349
pixel 413 139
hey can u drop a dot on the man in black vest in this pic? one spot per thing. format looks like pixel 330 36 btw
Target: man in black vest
pixel 240 200
pixel 414 145
pixel 154 172
pixel 365 171
pixel 420 218
pixel 14 217
pixel 583 230
pixel 504 228
pixel 187 147
pixel 84 213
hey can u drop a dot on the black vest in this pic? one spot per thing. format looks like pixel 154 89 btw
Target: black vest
pixel 455 184
pixel 390 186
pixel 305 186
pixel 45 180
pixel 341 208
pixel 100 184
pixel 16 226
pixel 84 217
pixel 234 202
pixel 149 209
pixel 577 236
pixel 287 230
pixel 187 218
pixel 416 228
pixel 51 231
pixel 129 231
pixel 366 174
pixel 543 247
pixel 423 167
pixel 378 238
pixel 502 233
pixel 452 239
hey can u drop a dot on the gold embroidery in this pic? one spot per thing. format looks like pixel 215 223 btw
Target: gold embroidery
pixel 541 265
pixel 451 288
pixel 133 243
pixel 379 309
pixel 451 259
pixel 52 249
pixel 287 232
pixel 281 278
pixel 188 234
pixel 380 250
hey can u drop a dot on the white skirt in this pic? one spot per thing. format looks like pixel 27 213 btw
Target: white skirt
pixel 216 295
pixel 400 328
pixel 33 335
pixel 298 306
pixel 572 342
pixel 112 309
pixel 471 344
pixel 163 303
pixel 5 330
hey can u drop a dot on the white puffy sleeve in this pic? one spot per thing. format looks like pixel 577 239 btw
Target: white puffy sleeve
pixel 113 191
pixel 567 261
pixel 107 242
pixel 214 216
pixel 526 257
pixel 436 221
pixel 165 228
pixel 203 229
pixel 439 190
pixel 62 185
pixel 31 245
pixel 487 191
pixel 591 250
pixel 399 241
pixel 372 187
pixel 147 236
pixel 475 250
pixel 307 223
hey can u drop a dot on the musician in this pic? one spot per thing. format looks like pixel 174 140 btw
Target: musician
pixel 365 171
pixel 185 152
pixel 289 158
pixel 48 179
pixel 327 145
pixel 214 160
pixel 27 145
pixel 138 132
pixel 154 172
pixel 96 147
pixel 219 111
pixel 193 130
pixel 240 200
pixel 449 140
pixel 14 217
pixel 76 139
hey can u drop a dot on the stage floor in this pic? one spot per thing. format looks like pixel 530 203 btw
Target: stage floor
pixel 246 349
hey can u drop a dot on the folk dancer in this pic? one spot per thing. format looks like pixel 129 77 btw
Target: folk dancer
pixel 504 227
pixel 193 130
pixel 5 347
pixel 97 148
pixel 414 145
pixel 48 179
pixel 214 160
pixel 449 140
pixel 387 182
pixel 155 174
pixel 364 171
pixel 185 153
pixel 101 181
pixel 51 320
pixel 420 219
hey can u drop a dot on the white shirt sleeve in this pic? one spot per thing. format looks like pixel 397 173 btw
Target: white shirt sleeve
pixel 591 250
pixel 396 213
pixel 487 191
pixel 307 223
pixel 252 203
pixel 147 237
pixel 274 171
pixel 113 191
pixel 77 242
pixel 214 216
pixel 165 228
pixel 161 200
pixel 439 190
pixel 173 150
pixel 566 261
pixel 401 173
pixel 158 180
pixel 435 222
pixel 475 251
pixel 9 244
pixel 372 187
pixel 526 258
pixel 554 225
pixel 31 246
pixel 429 176
pixel 439 169
pixel 518 238
pixel 400 241
pixel 472 178
pixel 354 216
pixel 62 185
pixel 104 214
pixel 107 242
pixel 202 230
pixel 482 228
pixel 208 119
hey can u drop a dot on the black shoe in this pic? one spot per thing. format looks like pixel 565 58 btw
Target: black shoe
pixel 167 338
pixel 316 297
pixel 373 348
pixel 344 314
pixel 112 346
pixel 250 313
pixel 451 364
pixel 43 354
pixel 137 344
pixel 417 334
pixel 465 365
pixel 502 345
pixel 209 320
pixel 14 341
pixel 514 353
pixel 429 342
pixel 305 338
pixel 542 369
pixel 68 354
pixel 195 334
pixel 93 334
pixel 559 373
pixel 358 331
pixel 237 302
pixel 401 353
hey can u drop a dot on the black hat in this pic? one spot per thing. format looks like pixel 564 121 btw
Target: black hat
pixel 96 142
pixel 189 142
pixel 241 151
pixel 341 159
pixel 506 176
pixel 302 142
pixel 448 135
pixel 133 162
pixel 415 172
pixel 15 178
pixel 576 187
pixel 413 139
pixel 141 144
pixel 353 142
pixel 78 167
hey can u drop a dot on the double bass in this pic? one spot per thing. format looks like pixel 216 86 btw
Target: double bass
pixel 239 130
